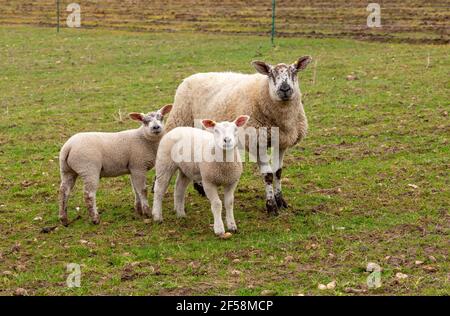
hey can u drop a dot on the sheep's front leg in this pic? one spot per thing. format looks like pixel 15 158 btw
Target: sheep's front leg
pixel 281 203
pixel 266 171
pixel 137 199
pixel 139 180
pixel 180 192
pixel 216 207
pixel 229 201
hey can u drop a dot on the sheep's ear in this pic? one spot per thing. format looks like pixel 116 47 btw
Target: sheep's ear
pixel 208 124
pixel 165 109
pixel 137 116
pixel 241 120
pixel 301 63
pixel 262 67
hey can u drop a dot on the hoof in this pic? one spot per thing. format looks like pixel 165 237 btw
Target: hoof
pixel 281 202
pixel 199 188
pixel 64 221
pixel 271 207
pixel 96 221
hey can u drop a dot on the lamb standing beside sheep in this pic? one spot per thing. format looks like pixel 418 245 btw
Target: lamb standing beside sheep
pixel 95 155
pixel 272 98
pixel 209 156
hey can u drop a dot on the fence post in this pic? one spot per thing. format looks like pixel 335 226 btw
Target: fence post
pixel 57 16
pixel 273 21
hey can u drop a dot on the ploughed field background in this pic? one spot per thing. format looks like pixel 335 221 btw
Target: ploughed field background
pixel 410 21
pixel 369 183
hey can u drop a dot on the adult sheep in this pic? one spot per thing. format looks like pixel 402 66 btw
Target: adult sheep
pixel 271 98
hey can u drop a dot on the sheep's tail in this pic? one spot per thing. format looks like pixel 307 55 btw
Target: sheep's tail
pixel 63 155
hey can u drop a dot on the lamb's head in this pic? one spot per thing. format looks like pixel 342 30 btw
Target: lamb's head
pixel 152 122
pixel 226 133
pixel 283 81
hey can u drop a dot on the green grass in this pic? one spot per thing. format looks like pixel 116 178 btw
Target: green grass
pixel 347 183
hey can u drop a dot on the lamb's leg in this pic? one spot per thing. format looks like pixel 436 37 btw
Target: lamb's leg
pixel 90 191
pixel 228 201
pixel 216 207
pixel 180 192
pixel 137 199
pixel 281 203
pixel 139 179
pixel 161 184
pixel 67 184
pixel 266 171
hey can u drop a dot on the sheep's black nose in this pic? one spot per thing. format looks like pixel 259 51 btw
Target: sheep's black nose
pixel 285 88
pixel 156 128
pixel 227 140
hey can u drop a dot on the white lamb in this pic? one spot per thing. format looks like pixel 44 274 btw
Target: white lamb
pixel 95 155
pixel 271 98
pixel 209 156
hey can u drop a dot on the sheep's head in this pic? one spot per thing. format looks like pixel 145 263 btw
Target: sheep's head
pixel 283 81
pixel 152 122
pixel 226 133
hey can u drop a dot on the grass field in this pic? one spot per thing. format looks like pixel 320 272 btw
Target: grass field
pixel 369 184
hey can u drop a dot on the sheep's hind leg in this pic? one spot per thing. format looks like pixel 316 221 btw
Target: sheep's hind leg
pixel 229 201
pixel 180 192
pixel 67 184
pixel 216 208
pixel 90 191
pixel 161 184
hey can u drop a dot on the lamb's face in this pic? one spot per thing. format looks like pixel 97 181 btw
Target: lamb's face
pixel 283 81
pixel 152 122
pixel 226 133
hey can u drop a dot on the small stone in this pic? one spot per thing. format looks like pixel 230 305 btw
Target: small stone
pixel 430 268
pixel 288 258
pixel 7 273
pixel 83 242
pixel 401 276
pixel 147 221
pixel 37 219
pixel 226 235
pixel 322 287
pixel 236 273
pixel 418 262
pixel 412 185
pixel 432 258
pixel 331 285
pixel 20 292
pixel 268 293
pixel 236 260
pixel 352 77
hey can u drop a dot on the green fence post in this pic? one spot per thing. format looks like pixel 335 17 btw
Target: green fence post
pixel 57 16
pixel 273 21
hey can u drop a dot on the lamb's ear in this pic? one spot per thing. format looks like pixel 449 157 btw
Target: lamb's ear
pixel 301 63
pixel 262 67
pixel 165 109
pixel 208 124
pixel 241 120
pixel 136 116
